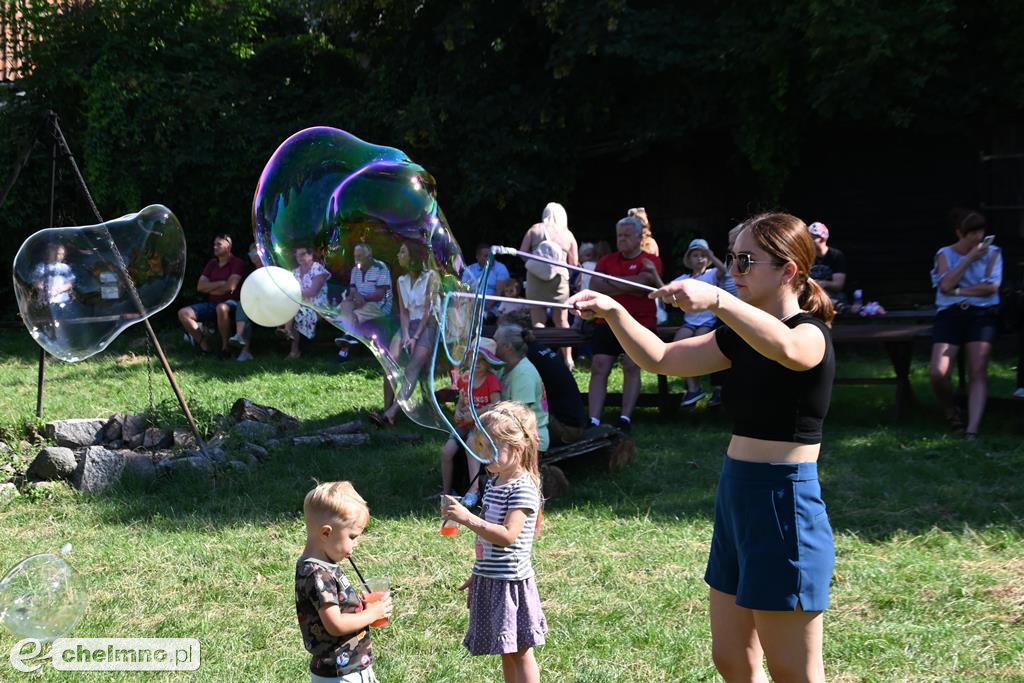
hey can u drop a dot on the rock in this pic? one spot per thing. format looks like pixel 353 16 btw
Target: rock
pixel 98 470
pixel 4 448
pixel 24 446
pixel 53 464
pixel 76 433
pixel 131 426
pixel 216 454
pixel 257 451
pixel 114 429
pixel 190 463
pixel 139 465
pixel 331 440
pixel 554 483
pixel 216 440
pixel 8 492
pixel 238 465
pixel 251 430
pixel 244 409
pixel 184 438
pixel 155 437
pixel 135 441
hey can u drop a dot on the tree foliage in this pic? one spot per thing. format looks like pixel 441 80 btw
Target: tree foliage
pixel 182 101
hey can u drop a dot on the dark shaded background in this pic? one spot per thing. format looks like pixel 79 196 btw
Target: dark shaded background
pixel 875 118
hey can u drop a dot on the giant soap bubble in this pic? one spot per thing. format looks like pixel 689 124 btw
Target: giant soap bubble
pixel 371 216
pixel 80 287
pixel 40 598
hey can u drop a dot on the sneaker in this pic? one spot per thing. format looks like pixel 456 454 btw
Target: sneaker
pixel 189 340
pixel 692 397
pixel 236 341
pixel 342 356
pixel 624 424
pixel 716 397
pixel 471 499
pixel 244 356
pixel 1019 393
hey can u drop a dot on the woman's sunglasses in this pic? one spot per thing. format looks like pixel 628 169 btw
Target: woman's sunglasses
pixel 743 262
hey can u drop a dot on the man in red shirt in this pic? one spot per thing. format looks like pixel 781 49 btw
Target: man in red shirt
pixel 220 282
pixel 633 264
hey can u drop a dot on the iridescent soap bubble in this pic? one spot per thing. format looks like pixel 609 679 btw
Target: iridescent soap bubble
pixel 80 287
pixel 40 598
pixel 371 216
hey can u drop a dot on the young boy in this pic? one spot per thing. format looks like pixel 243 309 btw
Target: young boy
pixel 333 619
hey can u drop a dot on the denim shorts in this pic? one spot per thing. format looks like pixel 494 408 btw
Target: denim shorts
pixel 962 325
pixel 772 545
pixel 206 311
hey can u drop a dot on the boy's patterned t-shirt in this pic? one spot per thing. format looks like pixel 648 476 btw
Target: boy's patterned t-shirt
pixel 317 584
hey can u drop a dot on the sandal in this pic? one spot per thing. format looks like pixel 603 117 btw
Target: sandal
pixel 284 334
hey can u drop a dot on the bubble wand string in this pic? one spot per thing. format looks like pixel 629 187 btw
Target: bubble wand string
pixel 512 251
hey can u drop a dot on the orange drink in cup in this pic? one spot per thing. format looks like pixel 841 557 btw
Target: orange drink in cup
pixel 448 527
pixel 378 587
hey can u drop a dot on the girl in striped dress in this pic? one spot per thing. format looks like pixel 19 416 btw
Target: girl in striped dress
pixel 505 615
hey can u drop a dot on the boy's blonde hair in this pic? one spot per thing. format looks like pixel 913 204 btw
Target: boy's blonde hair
pixel 515 424
pixel 336 499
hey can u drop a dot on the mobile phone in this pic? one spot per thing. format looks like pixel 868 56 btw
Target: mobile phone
pixel 988 240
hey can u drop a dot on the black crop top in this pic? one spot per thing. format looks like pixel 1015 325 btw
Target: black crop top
pixel 768 401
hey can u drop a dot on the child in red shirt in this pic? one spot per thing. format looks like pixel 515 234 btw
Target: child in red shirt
pixel 486 391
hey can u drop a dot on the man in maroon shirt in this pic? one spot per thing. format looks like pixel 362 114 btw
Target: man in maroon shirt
pixel 220 282
pixel 633 264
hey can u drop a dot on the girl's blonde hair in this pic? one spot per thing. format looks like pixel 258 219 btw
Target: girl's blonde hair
pixel 337 499
pixel 513 423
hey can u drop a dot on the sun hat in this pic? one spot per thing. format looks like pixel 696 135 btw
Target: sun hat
pixel 488 349
pixel 695 244
pixel 818 230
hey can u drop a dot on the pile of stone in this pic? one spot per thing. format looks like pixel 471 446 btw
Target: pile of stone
pixel 94 454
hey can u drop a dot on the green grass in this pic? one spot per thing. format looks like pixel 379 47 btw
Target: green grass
pixel 929 581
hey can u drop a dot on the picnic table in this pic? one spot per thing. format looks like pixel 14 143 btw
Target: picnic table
pixel 897 338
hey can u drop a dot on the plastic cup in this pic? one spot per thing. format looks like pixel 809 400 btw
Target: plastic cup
pixel 450 528
pixel 378 586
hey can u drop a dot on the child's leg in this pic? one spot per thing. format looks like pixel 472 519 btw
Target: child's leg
pixel 448 451
pixel 509 668
pixel 525 666
pixel 473 468
pixel 693 383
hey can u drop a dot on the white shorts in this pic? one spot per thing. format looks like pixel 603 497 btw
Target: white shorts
pixel 364 676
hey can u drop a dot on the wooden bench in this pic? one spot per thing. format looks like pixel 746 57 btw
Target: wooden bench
pixel 897 340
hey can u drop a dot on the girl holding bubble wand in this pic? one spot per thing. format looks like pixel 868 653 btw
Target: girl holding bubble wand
pixel 505 615
pixel 772 551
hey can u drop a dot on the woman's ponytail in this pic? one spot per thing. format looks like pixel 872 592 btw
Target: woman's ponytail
pixel 816 301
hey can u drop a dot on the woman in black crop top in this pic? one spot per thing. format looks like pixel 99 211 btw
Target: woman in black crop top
pixel 772 551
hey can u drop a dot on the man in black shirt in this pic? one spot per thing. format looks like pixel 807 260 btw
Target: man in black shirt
pixel 829 269
pixel 566 417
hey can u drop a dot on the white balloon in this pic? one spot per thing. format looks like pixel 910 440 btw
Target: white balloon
pixel 270 296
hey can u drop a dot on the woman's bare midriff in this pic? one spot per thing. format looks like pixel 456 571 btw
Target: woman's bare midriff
pixel 760 450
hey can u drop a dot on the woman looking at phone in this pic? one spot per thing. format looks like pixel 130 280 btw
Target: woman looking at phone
pixel 966 277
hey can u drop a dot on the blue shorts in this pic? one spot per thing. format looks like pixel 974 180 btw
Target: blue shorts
pixel 206 311
pixel 772 545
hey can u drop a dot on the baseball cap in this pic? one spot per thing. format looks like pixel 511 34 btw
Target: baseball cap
pixel 818 230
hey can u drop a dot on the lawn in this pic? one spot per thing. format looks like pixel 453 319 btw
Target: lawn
pixel 929 581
